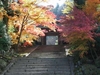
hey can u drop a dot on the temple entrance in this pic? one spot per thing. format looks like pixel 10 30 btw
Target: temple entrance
pixel 51 40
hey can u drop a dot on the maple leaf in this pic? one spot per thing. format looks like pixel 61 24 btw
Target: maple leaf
pixel 78 30
pixel 27 16
pixel 92 8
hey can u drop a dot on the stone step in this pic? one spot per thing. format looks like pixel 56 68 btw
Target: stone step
pixel 43 60
pixel 32 60
pixel 57 53
pixel 55 61
pixel 46 63
pixel 29 61
pixel 51 59
pixel 37 74
pixel 40 70
pixel 39 66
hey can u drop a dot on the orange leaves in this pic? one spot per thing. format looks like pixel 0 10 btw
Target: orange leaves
pixel 21 1
pixel 27 16
pixel 91 8
pixel 92 1
pixel 27 44
pixel 2 13
pixel 49 20
pixel 31 29
pixel 50 14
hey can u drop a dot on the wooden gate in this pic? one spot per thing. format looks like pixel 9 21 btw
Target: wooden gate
pixel 51 38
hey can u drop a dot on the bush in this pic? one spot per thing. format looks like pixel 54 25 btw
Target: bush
pixel 97 62
pixel 78 71
pixel 99 71
pixel 3 64
pixel 86 69
pixel 89 69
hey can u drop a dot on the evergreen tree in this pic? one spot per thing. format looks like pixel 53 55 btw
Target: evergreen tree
pixel 4 39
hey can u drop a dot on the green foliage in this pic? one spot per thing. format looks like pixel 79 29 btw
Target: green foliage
pixel 76 57
pixel 90 69
pixel 79 3
pixel 11 29
pixel 99 71
pixel 84 60
pixel 68 7
pixel 4 39
pixel 3 64
pixel 6 57
pixel 78 71
pixel 97 43
pixel 87 69
pixel 97 62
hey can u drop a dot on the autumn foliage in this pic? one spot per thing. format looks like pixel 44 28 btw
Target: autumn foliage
pixel 23 24
pixel 78 30
pixel 92 8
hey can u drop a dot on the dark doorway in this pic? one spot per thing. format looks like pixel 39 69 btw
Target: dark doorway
pixel 51 40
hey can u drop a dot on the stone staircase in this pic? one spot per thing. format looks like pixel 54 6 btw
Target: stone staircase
pixel 42 63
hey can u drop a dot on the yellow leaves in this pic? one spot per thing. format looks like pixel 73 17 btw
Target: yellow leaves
pixel 31 1
pixel 36 13
pixel 27 37
pixel 31 12
pixel 2 13
pixel 69 7
pixel 27 14
pixel 14 37
pixel 24 37
pixel 26 1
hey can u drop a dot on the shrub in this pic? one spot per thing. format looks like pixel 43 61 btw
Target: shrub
pixel 3 64
pixel 89 69
pixel 97 62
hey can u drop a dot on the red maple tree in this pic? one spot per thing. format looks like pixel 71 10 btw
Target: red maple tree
pixel 78 30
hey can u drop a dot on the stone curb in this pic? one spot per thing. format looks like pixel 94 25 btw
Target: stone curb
pixel 7 68
pixel 26 55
